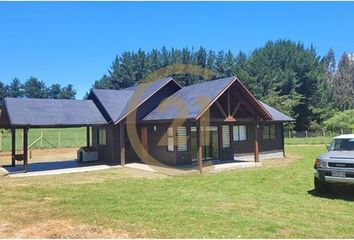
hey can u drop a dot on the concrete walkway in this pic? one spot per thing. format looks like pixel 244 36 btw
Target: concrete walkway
pixel 209 166
pixel 54 168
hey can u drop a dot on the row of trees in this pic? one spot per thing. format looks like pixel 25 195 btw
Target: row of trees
pixel 283 73
pixel 34 88
pixel 341 79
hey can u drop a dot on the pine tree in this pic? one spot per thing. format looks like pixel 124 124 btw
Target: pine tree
pixel 3 93
pixel 34 88
pixel 329 62
pixel 15 89
pixel 54 91
pixel 343 83
pixel 68 92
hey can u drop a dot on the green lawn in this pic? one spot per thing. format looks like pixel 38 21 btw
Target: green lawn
pixel 309 140
pixel 59 137
pixel 266 202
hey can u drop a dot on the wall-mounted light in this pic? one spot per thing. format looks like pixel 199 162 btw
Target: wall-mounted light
pixel 155 128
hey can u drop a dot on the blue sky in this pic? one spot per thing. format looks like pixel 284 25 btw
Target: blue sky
pixel 75 42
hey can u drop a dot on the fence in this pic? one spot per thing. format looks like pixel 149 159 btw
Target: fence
pixel 311 137
pixel 45 138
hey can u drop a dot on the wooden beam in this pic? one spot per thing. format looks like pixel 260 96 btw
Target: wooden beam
pixel 256 149
pixel 238 120
pixel 25 148
pixel 282 138
pixel 236 108
pixel 221 109
pixel 88 136
pixel 13 146
pixel 228 103
pixel 199 148
pixel 121 141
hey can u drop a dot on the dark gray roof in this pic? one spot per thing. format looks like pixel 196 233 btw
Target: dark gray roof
pixel 206 92
pixel 50 113
pixel 195 98
pixel 276 115
pixel 116 102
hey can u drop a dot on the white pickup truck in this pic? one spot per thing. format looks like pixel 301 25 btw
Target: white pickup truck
pixel 337 165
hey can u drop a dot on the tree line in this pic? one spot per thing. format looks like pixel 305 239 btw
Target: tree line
pixel 34 88
pixel 285 74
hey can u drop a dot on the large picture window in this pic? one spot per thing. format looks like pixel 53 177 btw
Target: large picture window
pixel 170 138
pixel 101 136
pixel 240 133
pixel 225 129
pixel 270 132
pixel 182 139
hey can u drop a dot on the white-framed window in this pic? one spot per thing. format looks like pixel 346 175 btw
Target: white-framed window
pixel 182 145
pixel 102 139
pixel 270 132
pixel 225 130
pixel 239 132
pixel 170 140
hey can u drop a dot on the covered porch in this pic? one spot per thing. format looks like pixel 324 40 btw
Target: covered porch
pixel 25 114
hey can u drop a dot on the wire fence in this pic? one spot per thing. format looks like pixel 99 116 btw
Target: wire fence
pixel 76 137
pixel 311 137
pixel 45 138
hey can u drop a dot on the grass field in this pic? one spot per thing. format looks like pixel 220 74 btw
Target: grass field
pixel 274 201
pixel 59 137
pixel 308 140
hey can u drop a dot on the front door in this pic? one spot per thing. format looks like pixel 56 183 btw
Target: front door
pixel 210 143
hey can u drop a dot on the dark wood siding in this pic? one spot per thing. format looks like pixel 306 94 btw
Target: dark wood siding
pixel 157 142
pixel 271 144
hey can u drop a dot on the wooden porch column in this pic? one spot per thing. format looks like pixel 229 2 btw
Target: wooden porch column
pixel 282 138
pixel 13 146
pixel 256 149
pixel 121 142
pixel 199 148
pixel 88 136
pixel 25 148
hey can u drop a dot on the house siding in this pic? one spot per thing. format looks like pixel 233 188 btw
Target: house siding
pixel 160 153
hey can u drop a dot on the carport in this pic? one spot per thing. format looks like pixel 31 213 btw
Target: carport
pixel 25 113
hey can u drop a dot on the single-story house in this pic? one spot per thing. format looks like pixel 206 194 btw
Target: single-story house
pixel 162 122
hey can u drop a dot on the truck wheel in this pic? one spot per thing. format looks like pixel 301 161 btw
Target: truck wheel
pixel 321 186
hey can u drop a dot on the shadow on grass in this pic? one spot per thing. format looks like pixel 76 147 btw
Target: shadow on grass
pixel 338 192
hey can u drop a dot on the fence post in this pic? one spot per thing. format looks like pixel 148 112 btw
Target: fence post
pixel 289 137
pixel 324 136
pixel 341 131
pixel 41 138
pixel 59 139
pixel 307 140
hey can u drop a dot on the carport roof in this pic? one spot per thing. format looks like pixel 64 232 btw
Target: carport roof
pixel 30 112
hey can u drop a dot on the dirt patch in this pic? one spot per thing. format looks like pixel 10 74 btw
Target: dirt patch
pixel 281 162
pixel 43 155
pixel 59 229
